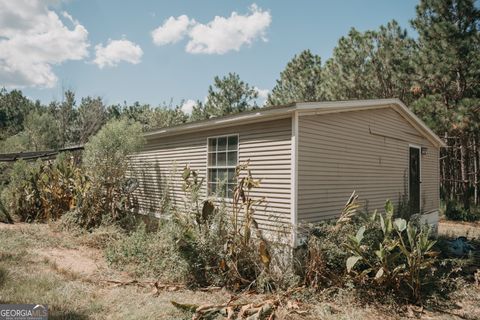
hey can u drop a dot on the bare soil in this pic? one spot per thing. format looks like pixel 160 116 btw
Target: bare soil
pixel 455 229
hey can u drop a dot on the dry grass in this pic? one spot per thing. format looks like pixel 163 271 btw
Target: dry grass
pixel 37 265
pixel 453 229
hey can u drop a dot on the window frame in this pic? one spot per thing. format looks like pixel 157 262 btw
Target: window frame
pixel 217 166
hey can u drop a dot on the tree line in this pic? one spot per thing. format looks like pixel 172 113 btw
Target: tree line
pixel 436 73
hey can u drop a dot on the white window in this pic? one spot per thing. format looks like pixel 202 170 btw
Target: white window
pixel 221 164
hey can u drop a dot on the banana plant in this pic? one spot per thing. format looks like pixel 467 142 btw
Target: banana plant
pixel 401 255
pixel 417 249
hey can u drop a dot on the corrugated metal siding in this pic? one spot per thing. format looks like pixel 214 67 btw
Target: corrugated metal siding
pixel 366 151
pixel 267 145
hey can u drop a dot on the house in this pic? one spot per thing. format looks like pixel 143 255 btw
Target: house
pixel 310 157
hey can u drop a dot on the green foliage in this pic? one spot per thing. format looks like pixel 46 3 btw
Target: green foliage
pixel 16 143
pixel 149 117
pixel 300 81
pixel 22 196
pixel 223 244
pixel 41 132
pixel 325 259
pixel 457 212
pixel 205 243
pixel 14 107
pixel 105 193
pixel 372 64
pixel 392 253
pixel 152 254
pixel 229 95
pixel 105 155
pixel 448 58
pixel 66 114
pixel 98 192
pixel 91 116
pixel 41 190
pixel 200 211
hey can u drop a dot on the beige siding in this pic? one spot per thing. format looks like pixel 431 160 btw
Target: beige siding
pixel 267 145
pixel 366 151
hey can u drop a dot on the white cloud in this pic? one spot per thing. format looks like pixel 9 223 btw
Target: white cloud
pixel 262 93
pixel 188 105
pixel 117 51
pixel 225 34
pixel 33 38
pixel 219 36
pixel 172 30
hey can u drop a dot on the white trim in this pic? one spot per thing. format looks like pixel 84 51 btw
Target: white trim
pixel 414 146
pixel 294 178
pixel 207 175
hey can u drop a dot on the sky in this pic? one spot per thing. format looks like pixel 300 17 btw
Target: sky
pixel 160 52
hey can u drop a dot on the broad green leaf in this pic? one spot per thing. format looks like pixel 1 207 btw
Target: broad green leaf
pixel 360 233
pixel 382 224
pixel 388 207
pixel 352 261
pixel 400 224
pixel 186 173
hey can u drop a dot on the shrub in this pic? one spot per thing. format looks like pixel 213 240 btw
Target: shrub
pixel 96 193
pixel 22 195
pixel 105 194
pixel 456 211
pixel 41 190
pixel 324 264
pixel 227 248
pixel 398 253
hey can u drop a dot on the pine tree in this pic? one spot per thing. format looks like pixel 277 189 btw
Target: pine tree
pixel 448 60
pixel 371 64
pixel 448 75
pixel 230 95
pixel 300 81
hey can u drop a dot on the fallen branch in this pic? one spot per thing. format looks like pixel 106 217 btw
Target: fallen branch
pixel 156 285
pixel 233 309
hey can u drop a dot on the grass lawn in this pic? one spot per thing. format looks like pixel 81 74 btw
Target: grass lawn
pixel 39 264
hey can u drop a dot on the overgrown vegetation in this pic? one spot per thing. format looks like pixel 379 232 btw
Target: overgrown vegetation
pixel 94 191
pixel 393 253
pixel 457 212
pixel 207 242
pixel 211 242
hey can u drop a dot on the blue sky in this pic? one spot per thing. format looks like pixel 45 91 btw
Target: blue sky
pixel 153 73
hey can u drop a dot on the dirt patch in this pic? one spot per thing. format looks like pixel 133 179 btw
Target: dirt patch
pixel 455 229
pixel 15 226
pixel 86 262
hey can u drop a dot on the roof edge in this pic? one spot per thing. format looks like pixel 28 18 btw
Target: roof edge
pixel 357 105
pixel 214 123
pixel 284 111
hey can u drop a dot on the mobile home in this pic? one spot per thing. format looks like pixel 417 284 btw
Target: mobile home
pixel 310 157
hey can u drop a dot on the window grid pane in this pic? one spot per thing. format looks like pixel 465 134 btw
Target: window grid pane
pixel 222 161
pixel 222 144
